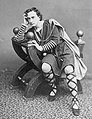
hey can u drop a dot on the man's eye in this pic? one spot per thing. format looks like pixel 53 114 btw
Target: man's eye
pixel 32 17
pixel 28 18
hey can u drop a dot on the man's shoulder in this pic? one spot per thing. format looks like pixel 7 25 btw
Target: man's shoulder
pixel 47 24
pixel 46 21
pixel 49 21
pixel 53 22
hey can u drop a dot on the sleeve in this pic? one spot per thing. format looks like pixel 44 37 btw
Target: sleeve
pixel 20 35
pixel 53 40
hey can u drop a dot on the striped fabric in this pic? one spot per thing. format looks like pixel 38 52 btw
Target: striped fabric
pixel 50 45
pixel 20 35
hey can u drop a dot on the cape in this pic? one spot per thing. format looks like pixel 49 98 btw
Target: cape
pixel 80 67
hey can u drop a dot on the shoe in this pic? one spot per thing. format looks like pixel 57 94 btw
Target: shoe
pixel 52 95
pixel 51 98
pixel 75 111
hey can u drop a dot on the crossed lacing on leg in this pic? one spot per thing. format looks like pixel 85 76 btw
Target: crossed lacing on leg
pixel 72 84
pixel 52 82
pixel 49 76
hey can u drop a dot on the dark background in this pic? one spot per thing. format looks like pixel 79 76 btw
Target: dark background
pixel 74 15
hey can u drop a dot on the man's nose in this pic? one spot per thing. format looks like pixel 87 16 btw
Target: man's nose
pixel 31 20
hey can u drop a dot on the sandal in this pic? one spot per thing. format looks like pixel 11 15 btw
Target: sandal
pixel 52 94
pixel 75 107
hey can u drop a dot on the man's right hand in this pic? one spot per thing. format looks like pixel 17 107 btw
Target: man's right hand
pixel 25 20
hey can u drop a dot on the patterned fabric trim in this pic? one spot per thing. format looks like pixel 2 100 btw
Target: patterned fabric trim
pixel 20 35
pixel 50 45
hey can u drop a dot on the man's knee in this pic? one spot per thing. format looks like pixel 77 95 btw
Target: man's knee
pixel 46 67
pixel 68 69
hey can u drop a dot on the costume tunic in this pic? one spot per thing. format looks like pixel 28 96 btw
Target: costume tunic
pixel 61 52
pixel 56 51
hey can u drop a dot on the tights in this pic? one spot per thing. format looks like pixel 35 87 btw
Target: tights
pixel 72 84
pixel 48 73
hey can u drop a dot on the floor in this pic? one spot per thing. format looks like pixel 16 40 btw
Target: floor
pixel 14 106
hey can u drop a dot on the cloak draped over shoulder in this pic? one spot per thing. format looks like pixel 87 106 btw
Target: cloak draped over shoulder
pixel 79 67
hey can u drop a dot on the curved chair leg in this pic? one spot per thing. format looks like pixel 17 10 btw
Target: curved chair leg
pixel 79 87
pixel 16 82
pixel 18 49
pixel 32 85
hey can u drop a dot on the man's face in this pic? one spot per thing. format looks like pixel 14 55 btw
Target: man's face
pixel 33 19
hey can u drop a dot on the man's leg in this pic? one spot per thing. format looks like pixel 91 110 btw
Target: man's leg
pixel 72 84
pixel 48 73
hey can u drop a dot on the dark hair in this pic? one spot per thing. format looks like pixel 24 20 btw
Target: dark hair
pixel 35 10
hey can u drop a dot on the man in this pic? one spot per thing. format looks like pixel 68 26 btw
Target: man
pixel 56 52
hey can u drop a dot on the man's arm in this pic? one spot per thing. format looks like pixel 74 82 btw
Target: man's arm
pixel 20 35
pixel 53 40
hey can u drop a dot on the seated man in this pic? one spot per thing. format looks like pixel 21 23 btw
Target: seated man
pixel 52 45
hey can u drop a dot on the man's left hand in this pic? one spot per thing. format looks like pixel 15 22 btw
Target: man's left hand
pixel 34 43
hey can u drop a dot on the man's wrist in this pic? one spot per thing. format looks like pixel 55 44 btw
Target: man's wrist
pixel 41 48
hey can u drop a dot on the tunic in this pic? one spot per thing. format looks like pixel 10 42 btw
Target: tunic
pixel 58 56
pixel 59 50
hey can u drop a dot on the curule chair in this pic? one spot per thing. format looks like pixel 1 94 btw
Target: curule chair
pixel 28 56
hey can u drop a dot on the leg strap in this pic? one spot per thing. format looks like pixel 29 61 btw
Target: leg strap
pixel 49 76
pixel 72 84
pixel 54 90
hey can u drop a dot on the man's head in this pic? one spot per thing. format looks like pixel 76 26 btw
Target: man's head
pixel 33 16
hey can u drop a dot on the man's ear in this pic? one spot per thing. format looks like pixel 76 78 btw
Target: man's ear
pixel 39 17
pixel 25 14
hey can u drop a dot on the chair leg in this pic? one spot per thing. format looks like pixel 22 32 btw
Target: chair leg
pixel 16 82
pixel 33 85
pixel 80 90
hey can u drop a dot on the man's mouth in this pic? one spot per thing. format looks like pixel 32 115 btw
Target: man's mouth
pixel 31 23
